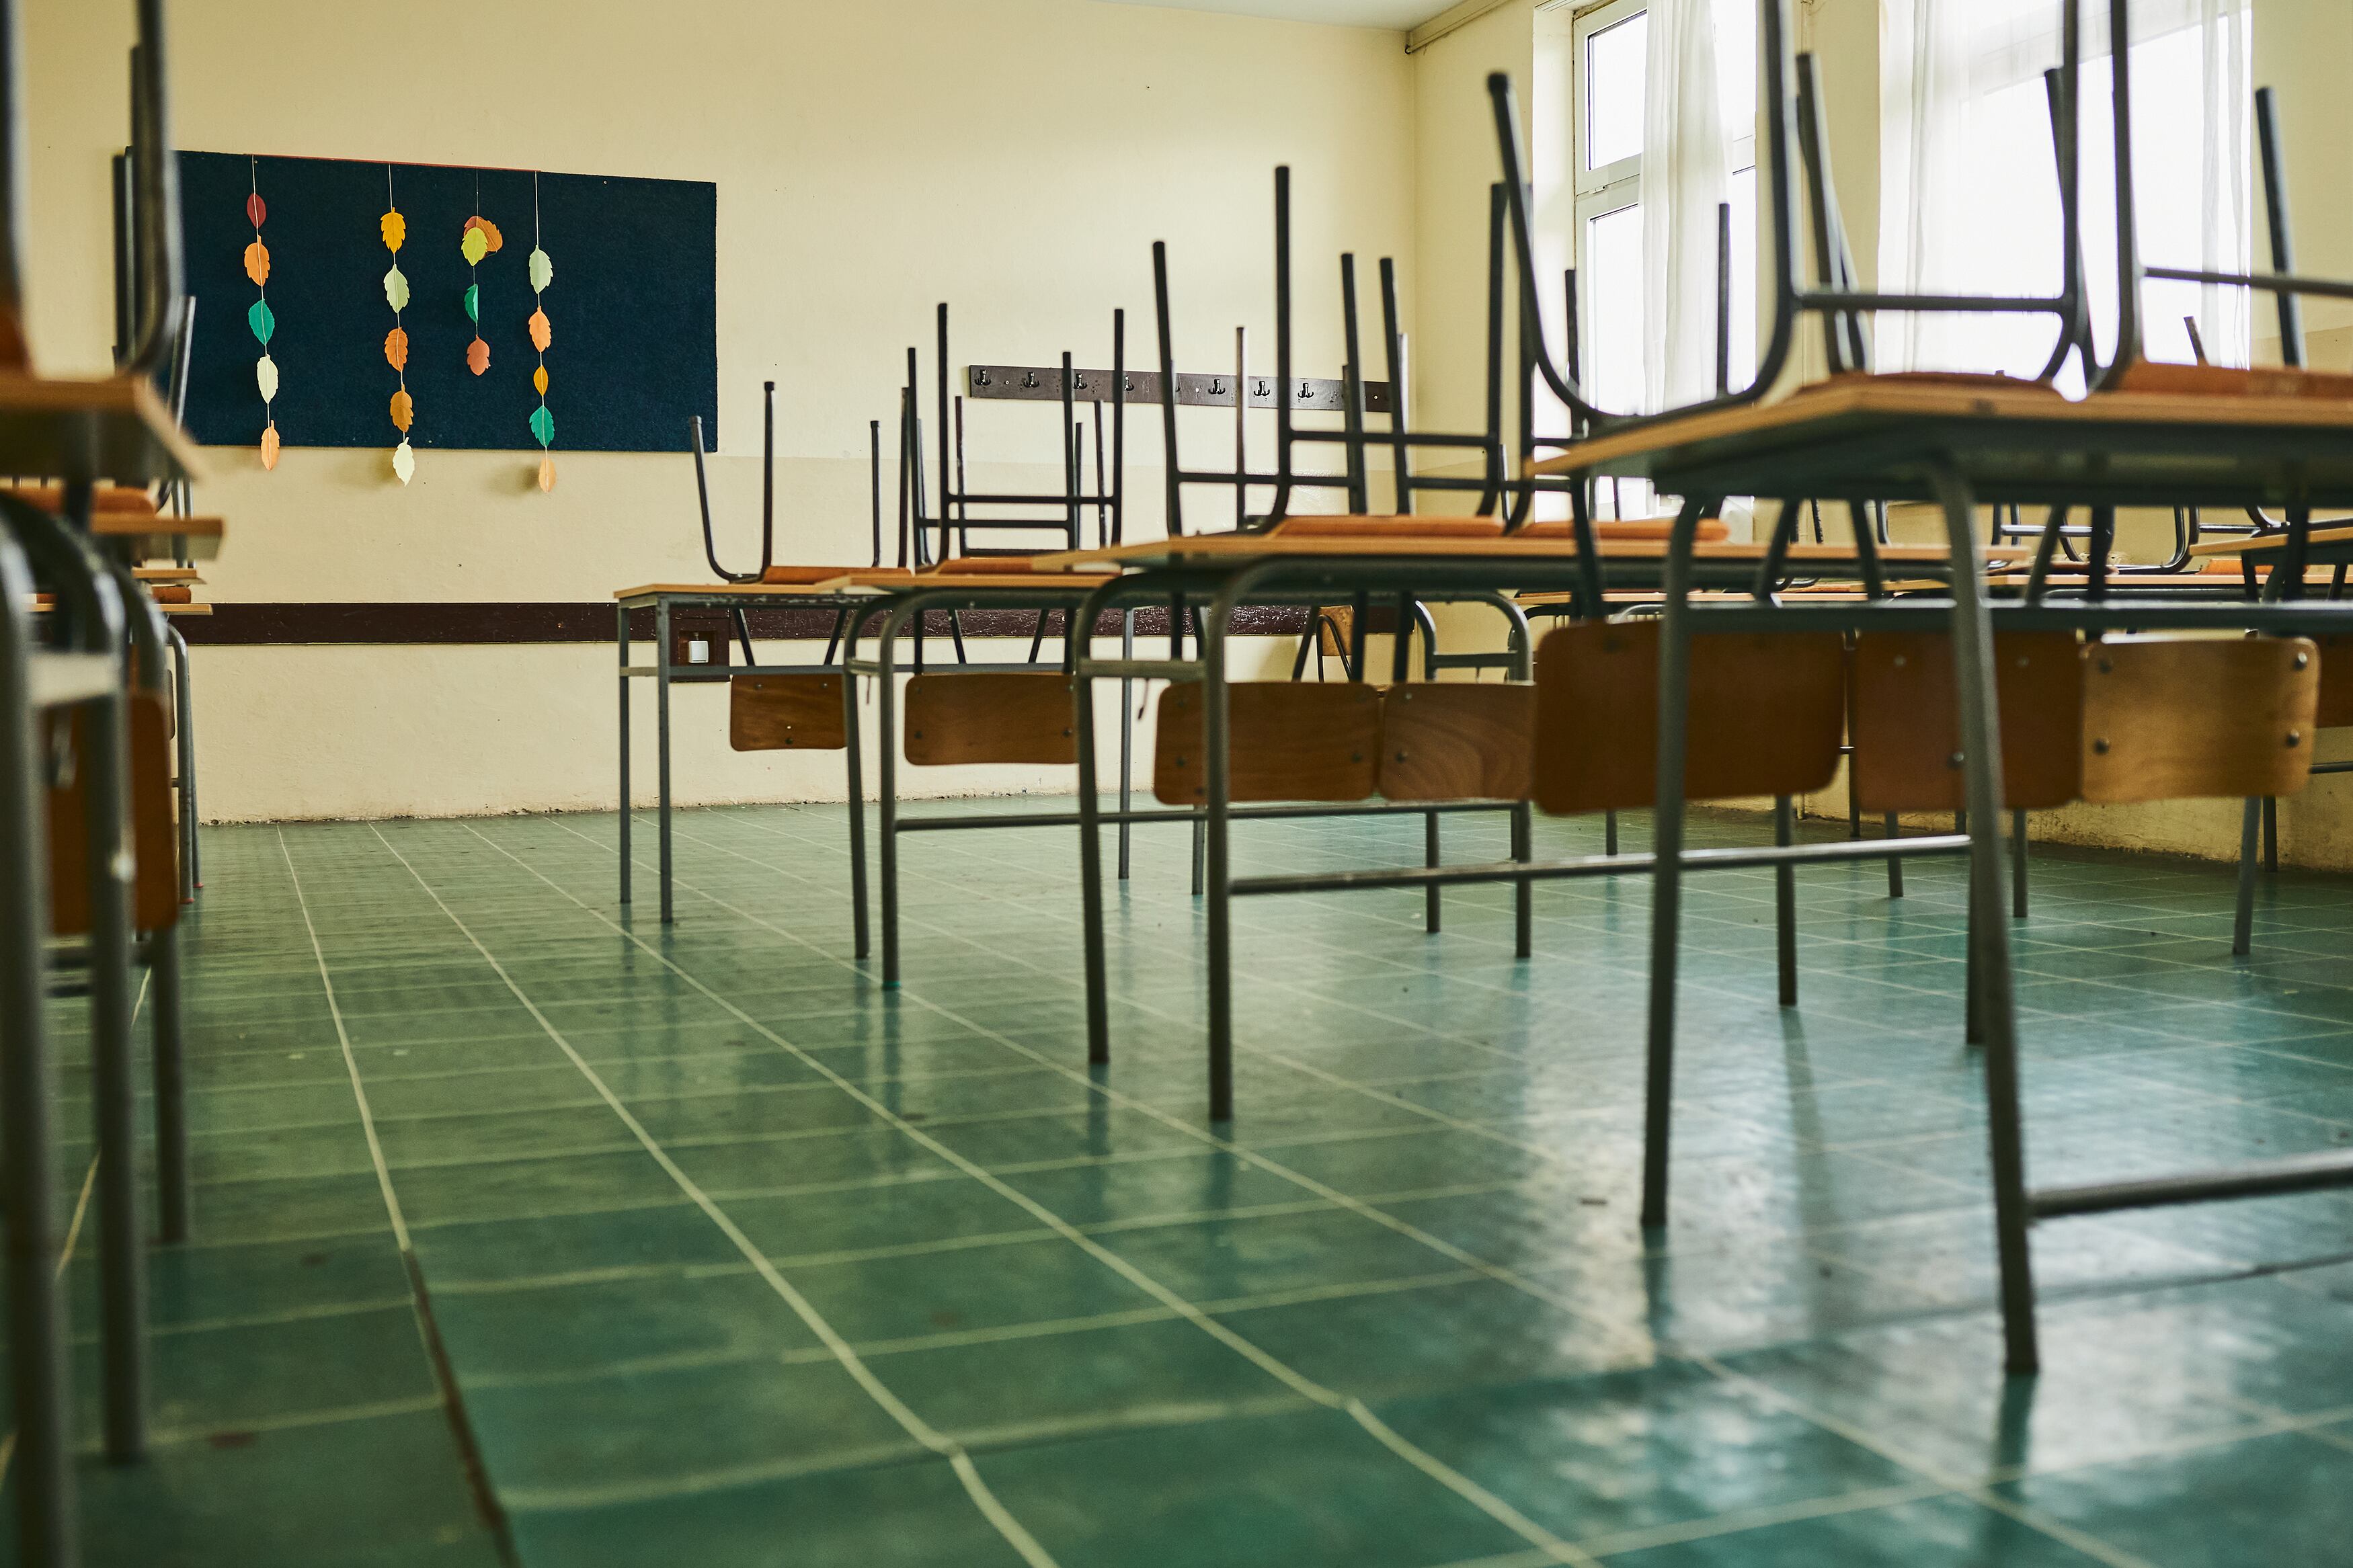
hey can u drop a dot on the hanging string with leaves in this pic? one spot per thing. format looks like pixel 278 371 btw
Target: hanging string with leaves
pixel 394 230
pixel 542 273
pixel 258 317
pixel 480 237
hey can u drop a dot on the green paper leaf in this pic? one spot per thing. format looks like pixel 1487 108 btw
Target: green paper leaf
pixel 543 271
pixel 262 322
pixel 396 289
pixel 474 302
pixel 543 425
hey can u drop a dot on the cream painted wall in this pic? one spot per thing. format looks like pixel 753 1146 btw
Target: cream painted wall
pixel 1016 158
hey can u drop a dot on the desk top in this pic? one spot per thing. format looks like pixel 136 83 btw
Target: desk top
pixel 116 428
pixel 1876 436
pixel 1232 548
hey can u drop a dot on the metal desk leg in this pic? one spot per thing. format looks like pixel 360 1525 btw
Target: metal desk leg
pixel 1997 1005
pixel 621 642
pixel 1524 913
pixel 2242 929
pixel 1785 901
pixel 1430 857
pixel 1217 755
pixel 2018 865
pixel 1667 847
pixel 184 733
pixel 122 1240
pixel 1127 736
pixel 857 797
pixel 886 793
pixel 661 743
pixel 173 1187
pixel 39 1368
pixel 1091 911
pixel 1610 833
pixel 1895 829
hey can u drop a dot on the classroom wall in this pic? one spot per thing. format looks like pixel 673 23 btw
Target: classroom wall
pixel 1016 158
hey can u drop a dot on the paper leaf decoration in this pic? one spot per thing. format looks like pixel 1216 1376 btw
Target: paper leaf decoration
pixel 403 462
pixel 543 425
pixel 257 262
pixel 270 439
pixel 403 411
pixel 396 289
pixel 475 244
pixel 474 301
pixel 539 380
pixel 258 318
pixel 547 472
pixel 256 212
pixel 478 356
pixel 395 349
pixel 491 235
pixel 265 375
pixel 541 335
pixel 394 228
pixel 543 271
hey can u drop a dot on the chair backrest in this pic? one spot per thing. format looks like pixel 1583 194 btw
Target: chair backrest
pixel 155 892
pixel 1767 711
pixel 1456 741
pixel 1288 741
pixel 992 716
pixel 791 712
pixel 2177 718
pixel 1906 727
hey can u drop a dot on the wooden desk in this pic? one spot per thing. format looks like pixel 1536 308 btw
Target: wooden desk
pixel 115 430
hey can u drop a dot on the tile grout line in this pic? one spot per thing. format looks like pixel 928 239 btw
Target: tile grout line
pixel 428 1331
pixel 984 1499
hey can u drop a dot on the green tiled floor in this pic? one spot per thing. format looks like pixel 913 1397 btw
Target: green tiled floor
pixel 733 1258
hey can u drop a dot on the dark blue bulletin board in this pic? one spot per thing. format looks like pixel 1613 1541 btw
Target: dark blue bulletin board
pixel 632 306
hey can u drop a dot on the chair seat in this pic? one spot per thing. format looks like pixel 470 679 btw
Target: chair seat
pixel 793 575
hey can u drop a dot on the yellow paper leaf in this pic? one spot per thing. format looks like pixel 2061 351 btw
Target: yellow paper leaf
pixel 478 356
pixel 269 446
pixel 539 380
pixel 394 228
pixel 257 262
pixel 541 334
pixel 403 462
pixel 547 473
pixel 474 246
pixel 402 411
pixel 395 349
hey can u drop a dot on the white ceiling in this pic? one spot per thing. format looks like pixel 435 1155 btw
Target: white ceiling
pixel 1397 14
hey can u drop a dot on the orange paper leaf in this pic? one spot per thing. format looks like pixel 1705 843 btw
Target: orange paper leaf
pixel 539 380
pixel 547 472
pixel 491 232
pixel 541 334
pixel 269 446
pixel 395 349
pixel 257 262
pixel 403 410
pixel 478 356
pixel 394 230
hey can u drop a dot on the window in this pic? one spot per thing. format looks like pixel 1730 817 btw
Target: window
pixel 1609 71
pixel 1968 125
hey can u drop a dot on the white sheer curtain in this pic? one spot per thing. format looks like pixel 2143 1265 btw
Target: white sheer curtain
pixel 1686 174
pixel 1968 188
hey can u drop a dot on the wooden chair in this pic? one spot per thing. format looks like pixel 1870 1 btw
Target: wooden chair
pixel 1290 740
pixel 2177 718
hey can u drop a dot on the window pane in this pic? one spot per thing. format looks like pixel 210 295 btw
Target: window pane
pixel 1743 278
pixel 1736 67
pixel 1613 309
pixel 1614 92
